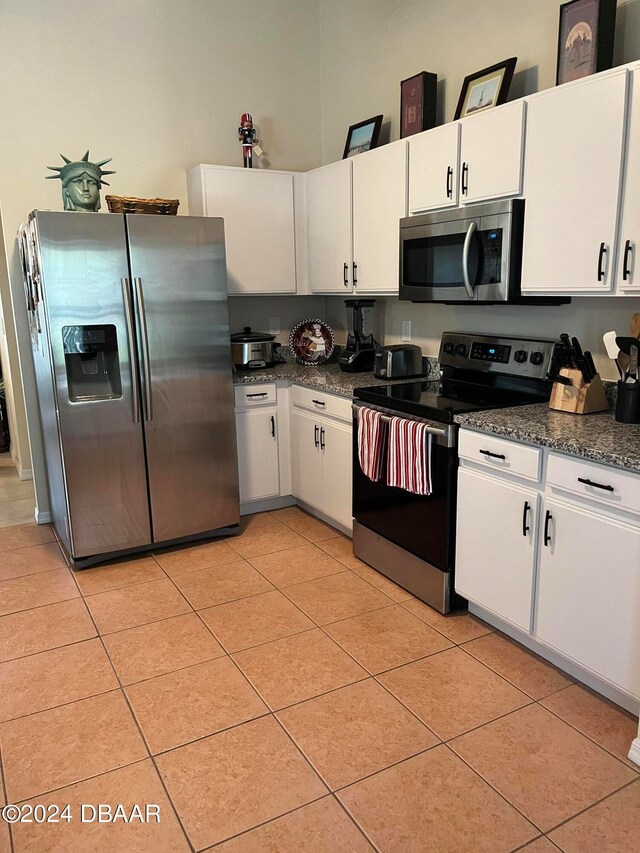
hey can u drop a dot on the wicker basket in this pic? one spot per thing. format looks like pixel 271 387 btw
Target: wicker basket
pixel 130 204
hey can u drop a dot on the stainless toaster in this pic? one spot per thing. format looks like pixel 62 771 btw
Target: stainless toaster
pixel 398 362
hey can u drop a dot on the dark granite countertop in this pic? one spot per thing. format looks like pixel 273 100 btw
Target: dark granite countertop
pixel 326 377
pixel 598 437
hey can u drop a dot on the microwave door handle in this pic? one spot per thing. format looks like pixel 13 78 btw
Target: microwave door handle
pixel 465 260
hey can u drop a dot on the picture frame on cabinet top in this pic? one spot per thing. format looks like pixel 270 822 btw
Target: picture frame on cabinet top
pixel 362 136
pixel 485 89
pixel 418 95
pixel 585 38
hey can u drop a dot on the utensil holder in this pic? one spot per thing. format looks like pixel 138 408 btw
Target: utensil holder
pixel 628 403
pixel 579 398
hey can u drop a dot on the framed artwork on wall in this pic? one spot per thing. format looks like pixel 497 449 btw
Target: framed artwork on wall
pixel 585 38
pixel 486 88
pixel 418 103
pixel 362 136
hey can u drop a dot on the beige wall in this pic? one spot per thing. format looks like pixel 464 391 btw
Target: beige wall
pixel 369 46
pixel 159 85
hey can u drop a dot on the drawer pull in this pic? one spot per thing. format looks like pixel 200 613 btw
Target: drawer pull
pixel 525 510
pixel 493 455
pixel 595 485
pixel 263 394
pixel 547 536
pixel 319 402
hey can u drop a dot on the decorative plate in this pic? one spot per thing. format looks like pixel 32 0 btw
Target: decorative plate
pixel 311 342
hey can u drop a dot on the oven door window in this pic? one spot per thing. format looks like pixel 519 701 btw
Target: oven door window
pixel 434 261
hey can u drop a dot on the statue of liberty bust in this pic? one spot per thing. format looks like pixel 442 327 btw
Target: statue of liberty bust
pixel 81 182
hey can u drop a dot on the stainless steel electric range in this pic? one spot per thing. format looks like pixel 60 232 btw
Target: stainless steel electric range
pixel 411 538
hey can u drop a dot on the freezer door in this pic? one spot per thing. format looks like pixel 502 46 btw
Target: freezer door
pixel 84 283
pixel 180 287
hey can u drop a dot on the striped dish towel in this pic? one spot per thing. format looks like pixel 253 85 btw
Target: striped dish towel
pixel 371 436
pixel 409 458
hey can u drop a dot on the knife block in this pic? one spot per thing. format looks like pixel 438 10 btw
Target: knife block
pixel 581 398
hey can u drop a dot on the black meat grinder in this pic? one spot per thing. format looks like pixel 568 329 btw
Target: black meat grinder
pixel 359 354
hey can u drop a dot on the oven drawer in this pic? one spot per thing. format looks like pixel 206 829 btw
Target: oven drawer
pixel 254 394
pixel 601 483
pixel 321 403
pixel 500 454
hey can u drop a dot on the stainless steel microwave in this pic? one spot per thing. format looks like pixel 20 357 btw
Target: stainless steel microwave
pixel 469 254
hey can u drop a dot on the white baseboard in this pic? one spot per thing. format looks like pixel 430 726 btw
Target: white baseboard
pixel 25 473
pixel 42 517
pixel 634 752
pixel 267 504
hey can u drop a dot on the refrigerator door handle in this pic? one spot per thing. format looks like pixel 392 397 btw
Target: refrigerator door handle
pixel 135 383
pixel 144 340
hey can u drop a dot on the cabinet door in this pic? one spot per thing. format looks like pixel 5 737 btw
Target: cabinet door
pixel 573 169
pixel 329 245
pixel 433 168
pixel 628 265
pixel 495 545
pixel 306 460
pixel 379 202
pixel 492 153
pixel 257 207
pixel 589 593
pixel 257 436
pixel 336 447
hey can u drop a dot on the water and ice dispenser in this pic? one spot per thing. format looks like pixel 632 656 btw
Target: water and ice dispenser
pixel 91 358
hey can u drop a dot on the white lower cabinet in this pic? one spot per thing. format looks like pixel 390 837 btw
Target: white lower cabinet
pixel 588 602
pixel 321 462
pixel 560 561
pixel 258 469
pixel 496 545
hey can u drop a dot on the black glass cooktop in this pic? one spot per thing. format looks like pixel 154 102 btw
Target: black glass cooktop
pixel 441 400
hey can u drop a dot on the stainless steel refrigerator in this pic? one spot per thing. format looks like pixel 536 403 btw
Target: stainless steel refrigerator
pixel 130 333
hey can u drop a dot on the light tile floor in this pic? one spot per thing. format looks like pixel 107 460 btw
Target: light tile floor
pixel 272 693
pixel 17 502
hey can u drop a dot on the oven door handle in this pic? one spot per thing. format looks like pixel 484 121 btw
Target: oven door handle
pixel 465 260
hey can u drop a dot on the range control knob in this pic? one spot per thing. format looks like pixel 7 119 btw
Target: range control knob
pixel 520 355
pixel 536 358
pixel 461 349
pixel 448 348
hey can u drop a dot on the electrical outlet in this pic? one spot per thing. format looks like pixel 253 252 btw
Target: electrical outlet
pixel 274 325
pixel 406 330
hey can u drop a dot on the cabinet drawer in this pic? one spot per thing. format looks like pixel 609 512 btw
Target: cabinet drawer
pixel 254 394
pixel 322 403
pixel 600 483
pixel 500 454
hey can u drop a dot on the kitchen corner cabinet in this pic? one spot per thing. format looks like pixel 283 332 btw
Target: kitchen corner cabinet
pixel 476 159
pixel 257 439
pixel 496 533
pixel 321 453
pixel 259 223
pixel 573 174
pixel 628 265
pixel 353 212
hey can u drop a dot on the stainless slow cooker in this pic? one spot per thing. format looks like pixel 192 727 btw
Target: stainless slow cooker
pixel 251 350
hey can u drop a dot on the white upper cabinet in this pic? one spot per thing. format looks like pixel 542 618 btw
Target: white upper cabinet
pixel 379 202
pixel 573 173
pixel 259 224
pixel 628 264
pixel 491 158
pixel 434 158
pixel 329 238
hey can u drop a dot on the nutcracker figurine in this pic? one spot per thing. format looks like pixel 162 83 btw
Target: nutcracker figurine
pixel 247 135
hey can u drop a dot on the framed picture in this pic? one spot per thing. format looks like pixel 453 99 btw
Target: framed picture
pixel 585 38
pixel 486 88
pixel 418 103
pixel 362 136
